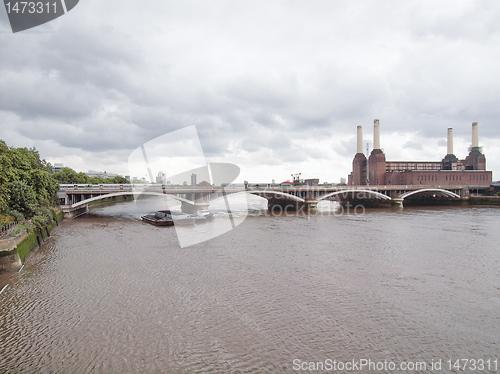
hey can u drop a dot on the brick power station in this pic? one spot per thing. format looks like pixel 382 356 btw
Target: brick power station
pixel 450 171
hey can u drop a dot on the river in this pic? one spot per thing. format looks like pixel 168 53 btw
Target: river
pixel 109 293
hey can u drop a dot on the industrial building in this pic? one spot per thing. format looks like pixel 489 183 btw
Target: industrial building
pixel 450 171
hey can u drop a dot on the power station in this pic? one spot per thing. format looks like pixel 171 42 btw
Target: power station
pixel 450 171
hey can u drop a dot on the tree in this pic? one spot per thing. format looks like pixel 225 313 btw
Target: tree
pixel 119 180
pixel 66 176
pixel 6 174
pixel 82 178
pixel 22 197
pixel 44 185
pixel 22 171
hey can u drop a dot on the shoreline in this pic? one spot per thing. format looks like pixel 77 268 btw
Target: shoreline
pixel 14 251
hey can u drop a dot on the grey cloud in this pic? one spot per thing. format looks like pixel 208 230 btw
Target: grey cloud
pixel 413 145
pixel 256 75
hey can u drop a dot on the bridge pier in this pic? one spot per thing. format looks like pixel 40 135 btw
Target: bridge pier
pixel 310 204
pixel 70 212
pixel 397 201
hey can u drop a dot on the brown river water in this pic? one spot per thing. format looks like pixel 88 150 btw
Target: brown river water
pixel 108 293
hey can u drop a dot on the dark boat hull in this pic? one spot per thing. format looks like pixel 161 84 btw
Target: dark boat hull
pixel 168 218
pixel 157 222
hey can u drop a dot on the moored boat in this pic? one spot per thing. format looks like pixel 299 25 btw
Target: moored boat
pixel 168 218
pixel 158 219
pixel 179 218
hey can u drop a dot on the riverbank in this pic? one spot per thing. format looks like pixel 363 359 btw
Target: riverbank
pixel 14 251
pixel 484 200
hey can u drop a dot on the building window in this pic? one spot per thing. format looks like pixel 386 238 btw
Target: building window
pixel 446 177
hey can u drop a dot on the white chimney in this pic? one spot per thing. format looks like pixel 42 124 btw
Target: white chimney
pixel 376 134
pixel 475 135
pixel 450 141
pixel 360 139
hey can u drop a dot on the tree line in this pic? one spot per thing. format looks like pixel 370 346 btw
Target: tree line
pixel 28 188
pixel 69 176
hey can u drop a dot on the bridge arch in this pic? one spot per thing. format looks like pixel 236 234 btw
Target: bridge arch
pixel 126 193
pixel 428 191
pixel 375 193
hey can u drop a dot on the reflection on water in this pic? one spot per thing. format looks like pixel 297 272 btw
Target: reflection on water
pixel 109 293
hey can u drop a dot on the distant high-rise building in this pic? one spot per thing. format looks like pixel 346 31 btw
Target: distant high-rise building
pixel 193 180
pixel 160 179
pixel 100 174
pixel 57 168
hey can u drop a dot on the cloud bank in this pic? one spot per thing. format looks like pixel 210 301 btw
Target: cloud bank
pixel 275 88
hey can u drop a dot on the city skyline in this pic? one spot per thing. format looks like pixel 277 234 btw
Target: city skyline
pixel 273 88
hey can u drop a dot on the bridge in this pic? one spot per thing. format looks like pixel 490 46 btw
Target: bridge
pixel 74 199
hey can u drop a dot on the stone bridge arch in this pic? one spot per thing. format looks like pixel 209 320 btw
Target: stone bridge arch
pixel 130 193
pixel 430 192
pixel 376 194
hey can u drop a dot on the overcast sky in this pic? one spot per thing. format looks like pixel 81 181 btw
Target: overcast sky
pixel 275 87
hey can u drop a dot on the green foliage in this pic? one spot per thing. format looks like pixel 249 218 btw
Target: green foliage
pixel 6 174
pixel 66 176
pixel 45 212
pixel 69 176
pixel 22 197
pixel 44 185
pixel 119 180
pixel 40 221
pixel 19 228
pixel 15 215
pixel 5 219
pixel 54 214
pixel 25 180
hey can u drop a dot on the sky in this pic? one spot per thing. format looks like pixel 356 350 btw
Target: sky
pixel 274 87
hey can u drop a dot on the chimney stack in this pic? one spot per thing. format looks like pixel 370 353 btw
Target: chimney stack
pixel 376 134
pixel 475 135
pixel 450 141
pixel 360 139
